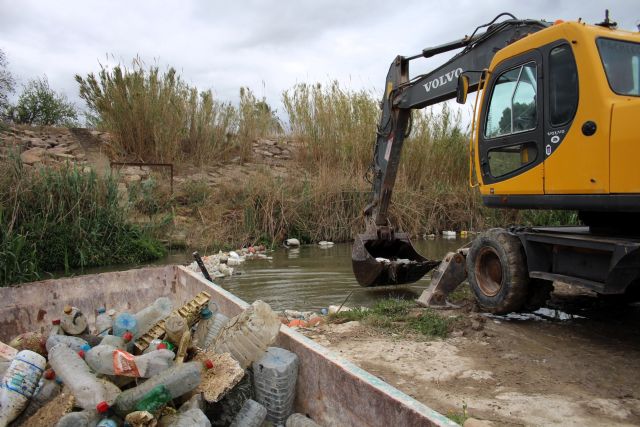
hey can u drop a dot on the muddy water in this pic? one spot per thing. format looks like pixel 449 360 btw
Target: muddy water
pixel 311 277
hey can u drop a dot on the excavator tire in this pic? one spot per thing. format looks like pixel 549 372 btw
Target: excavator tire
pixel 497 272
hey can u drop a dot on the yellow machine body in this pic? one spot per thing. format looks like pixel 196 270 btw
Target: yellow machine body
pixel 562 167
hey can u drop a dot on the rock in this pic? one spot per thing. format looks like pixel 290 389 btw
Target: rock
pixel 475 325
pixel 33 155
pixel 474 422
pixel 132 178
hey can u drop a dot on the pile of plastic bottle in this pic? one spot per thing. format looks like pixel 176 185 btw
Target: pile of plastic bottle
pixel 114 382
pixel 223 264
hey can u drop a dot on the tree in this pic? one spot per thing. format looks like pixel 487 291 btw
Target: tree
pixel 40 105
pixel 7 84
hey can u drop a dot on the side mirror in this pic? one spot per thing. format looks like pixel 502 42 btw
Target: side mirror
pixel 463 89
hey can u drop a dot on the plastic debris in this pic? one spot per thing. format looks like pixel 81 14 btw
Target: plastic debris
pixel 252 414
pixel 19 384
pixel 274 379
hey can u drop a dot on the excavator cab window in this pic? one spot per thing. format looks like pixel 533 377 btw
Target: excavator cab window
pixel 621 60
pixel 512 108
pixel 563 85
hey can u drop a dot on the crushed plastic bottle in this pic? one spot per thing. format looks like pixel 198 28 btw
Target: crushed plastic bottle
pixel 73 322
pixel 123 323
pixel 300 420
pixel 86 418
pixel 19 384
pixel 104 321
pixel 48 388
pixel 154 400
pixel 89 391
pixel 252 414
pixel 247 335
pixel 175 326
pixel 109 360
pixel 178 380
pixel 274 380
pixel 74 343
pixel 149 316
pixel 116 341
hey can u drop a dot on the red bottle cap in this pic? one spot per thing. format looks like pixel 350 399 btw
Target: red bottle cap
pixel 161 346
pixel 208 364
pixel 49 374
pixel 81 353
pixel 68 309
pixel 127 336
pixel 102 407
pixel 55 322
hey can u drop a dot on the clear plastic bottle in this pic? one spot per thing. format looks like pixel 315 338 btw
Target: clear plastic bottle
pixel 193 417
pixel 274 381
pixel 248 335
pixel 104 322
pixel 48 388
pixel 73 322
pixel 89 391
pixel 56 329
pixel 86 418
pixel 209 326
pixel 300 420
pixel 75 343
pixel 149 316
pixel 125 322
pixel 178 380
pixel 109 360
pixel 19 383
pixel 252 414
pixel 109 422
pixel 158 344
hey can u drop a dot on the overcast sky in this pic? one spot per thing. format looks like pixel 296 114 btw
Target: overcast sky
pixel 265 45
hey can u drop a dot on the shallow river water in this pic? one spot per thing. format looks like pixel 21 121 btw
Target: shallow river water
pixel 311 277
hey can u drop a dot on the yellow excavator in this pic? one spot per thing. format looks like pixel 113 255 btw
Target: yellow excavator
pixel 554 127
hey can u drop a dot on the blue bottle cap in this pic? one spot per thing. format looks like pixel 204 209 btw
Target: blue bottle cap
pixel 85 347
pixel 101 310
pixel 206 313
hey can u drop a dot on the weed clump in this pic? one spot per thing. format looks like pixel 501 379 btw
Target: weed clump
pixel 400 316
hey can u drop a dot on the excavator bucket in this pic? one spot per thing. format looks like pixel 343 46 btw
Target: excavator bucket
pixel 382 262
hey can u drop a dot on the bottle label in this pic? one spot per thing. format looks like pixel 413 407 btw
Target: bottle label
pixel 22 377
pixel 124 364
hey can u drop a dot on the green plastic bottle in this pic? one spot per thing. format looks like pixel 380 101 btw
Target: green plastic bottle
pixel 154 400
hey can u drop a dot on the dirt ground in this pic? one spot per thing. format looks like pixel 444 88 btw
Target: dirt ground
pixel 576 366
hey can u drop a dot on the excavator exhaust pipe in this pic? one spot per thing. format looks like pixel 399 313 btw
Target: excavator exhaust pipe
pixel 384 262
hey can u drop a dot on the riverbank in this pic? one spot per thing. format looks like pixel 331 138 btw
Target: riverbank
pixel 572 364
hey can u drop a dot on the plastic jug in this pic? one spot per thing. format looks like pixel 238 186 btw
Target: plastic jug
pixel 73 322
pixel 89 391
pixel 48 388
pixel 247 335
pixel 19 384
pixel 149 316
pixel 104 321
pixel 109 360
pixel 178 380
pixel 252 414
pixel 274 380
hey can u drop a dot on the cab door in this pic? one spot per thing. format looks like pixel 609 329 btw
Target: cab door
pixel 510 139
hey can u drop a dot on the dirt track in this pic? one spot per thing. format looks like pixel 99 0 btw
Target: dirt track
pixel 525 370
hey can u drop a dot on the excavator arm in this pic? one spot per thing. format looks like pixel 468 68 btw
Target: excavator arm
pixel 381 256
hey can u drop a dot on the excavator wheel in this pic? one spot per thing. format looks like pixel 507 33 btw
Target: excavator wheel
pixel 497 272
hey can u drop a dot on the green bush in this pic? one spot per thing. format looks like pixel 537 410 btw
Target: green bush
pixel 40 105
pixel 62 218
